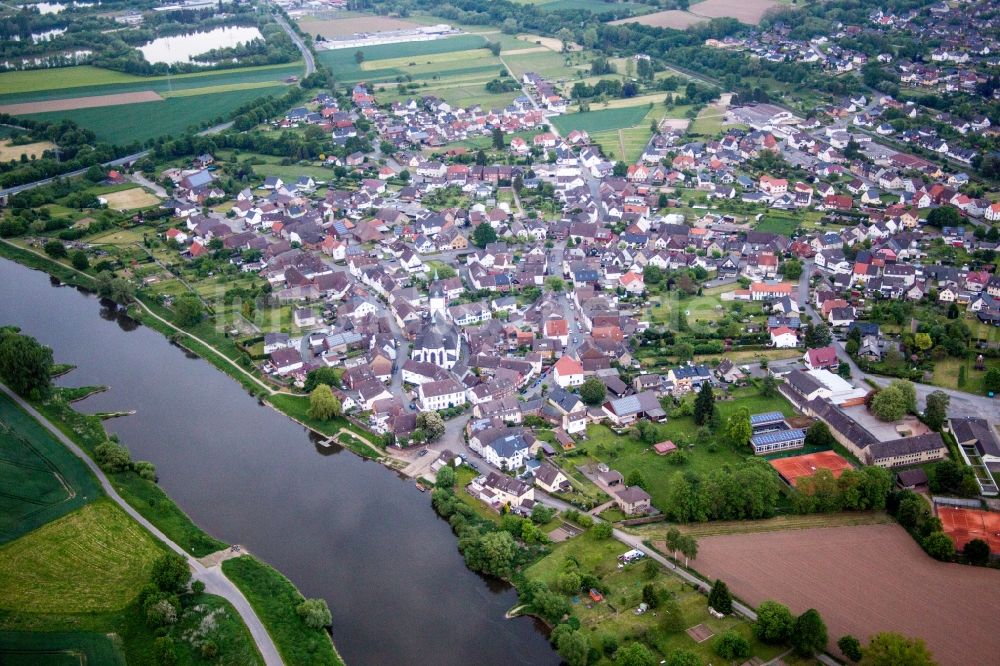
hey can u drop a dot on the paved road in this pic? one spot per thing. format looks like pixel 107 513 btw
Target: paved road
pixel 213 577
pixel 306 53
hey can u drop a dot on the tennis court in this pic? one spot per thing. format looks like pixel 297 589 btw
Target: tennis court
pixel 793 468
pixel 964 525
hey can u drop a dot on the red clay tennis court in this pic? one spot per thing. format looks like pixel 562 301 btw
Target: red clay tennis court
pixel 795 467
pixel 964 525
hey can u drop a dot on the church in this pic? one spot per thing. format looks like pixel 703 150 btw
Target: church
pixel 439 343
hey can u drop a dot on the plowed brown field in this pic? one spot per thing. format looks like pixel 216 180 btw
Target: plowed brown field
pixel 864 580
pixel 73 103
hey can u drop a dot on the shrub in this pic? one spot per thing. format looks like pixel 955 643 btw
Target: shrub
pixel 731 645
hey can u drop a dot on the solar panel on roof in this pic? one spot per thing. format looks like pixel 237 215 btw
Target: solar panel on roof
pixel 766 417
pixel 627 405
pixel 778 437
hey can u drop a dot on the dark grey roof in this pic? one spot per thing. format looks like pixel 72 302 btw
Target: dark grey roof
pixel 842 423
pixel 507 484
pixel 978 432
pixel 802 382
pixel 908 445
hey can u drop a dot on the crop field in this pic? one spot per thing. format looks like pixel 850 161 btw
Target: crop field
pixel 58 648
pixel 61 77
pixel 864 580
pixel 550 65
pixel 595 6
pixel 9 152
pixel 72 103
pixel 130 199
pixel 599 121
pixel 109 554
pixel 746 11
pixel 334 28
pixel 671 18
pixel 615 614
pixel 124 124
pixel 40 479
pixel 344 66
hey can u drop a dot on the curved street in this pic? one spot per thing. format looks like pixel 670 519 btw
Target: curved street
pixel 214 579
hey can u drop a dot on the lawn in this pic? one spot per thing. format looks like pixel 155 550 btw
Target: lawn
pixel 946 374
pixel 41 479
pixel 275 599
pixel 778 222
pixel 598 121
pixel 58 648
pixel 705 308
pixel 626 454
pixel 109 555
pixel 125 124
pixel 615 615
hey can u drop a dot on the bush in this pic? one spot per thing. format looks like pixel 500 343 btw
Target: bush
pixel 55 249
pixel 315 613
pixel 112 457
pixel 850 646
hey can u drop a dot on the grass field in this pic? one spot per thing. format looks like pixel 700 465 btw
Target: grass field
pixel 346 68
pixel 778 222
pixel 333 28
pixel 274 598
pixel 946 374
pixel 626 454
pixel 130 199
pixel 9 152
pixel 61 77
pixel 615 615
pixel 58 648
pixel 598 121
pixel 40 479
pixel 776 524
pixel 124 124
pixel 108 553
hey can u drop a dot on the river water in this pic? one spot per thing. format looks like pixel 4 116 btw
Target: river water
pixel 340 527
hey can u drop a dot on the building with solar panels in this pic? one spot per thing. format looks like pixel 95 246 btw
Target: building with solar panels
pixel 779 440
pixel 767 422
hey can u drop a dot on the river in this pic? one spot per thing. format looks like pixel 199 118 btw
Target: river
pixel 340 527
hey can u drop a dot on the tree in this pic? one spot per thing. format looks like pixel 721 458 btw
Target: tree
pixel 572 646
pixel 939 546
pixel 79 260
pixel 704 404
pixel 323 404
pixel 944 216
pixel 568 582
pixel 739 429
pixel 160 614
pixel 923 341
pixel 497 550
pixel 688 546
pixel 769 386
pixel 55 249
pixel 432 424
pixel 323 375
pixel 112 457
pixel 634 654
pixel 497 137
pixel 165 653
pixel 602 530
pixel 635 478
pixel 991 382
pixel 359 56
pixel 809 633
pixel 819 435
pixel 672 617
pixel 652 274
pixel 890 649
pixel 188 310
pixel 483 235
pixel 774 622
pixel 817 335
pixel 894 401
pixel 170 573
pixel 791 269
pixel 844 369
pixel 315 613
pixel 446 477
pixel 936 410
pixel 619 170
pixel 555 284
pixel 720 599
pixel 731 645
pixel 25 365
pixel 850 647
pixel 977 552
pixel 592 391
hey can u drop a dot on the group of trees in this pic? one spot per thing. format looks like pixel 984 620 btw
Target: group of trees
pixel 749 491
pixel 913 512
pixel 894 401
pixel 864 489
pixel 25 365
pixel 775 624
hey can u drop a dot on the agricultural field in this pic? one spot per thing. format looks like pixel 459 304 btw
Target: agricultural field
pixel 595 6
pixel 863 580
pixel 745 11
pixel 9 152
pixel 130 199
pixel 600 121
pixel 671 18
pixel 342 27
pixel 117 106
pixel 41 479
pixel 110 557
pixel 615 615
pixel 58 648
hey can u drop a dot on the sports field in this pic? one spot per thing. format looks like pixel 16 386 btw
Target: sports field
pixel 964 525
pixel 109 554
pixel 793 468
pixel 864 580
pixel 40 479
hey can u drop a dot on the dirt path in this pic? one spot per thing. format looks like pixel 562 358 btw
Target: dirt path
pixel 218 557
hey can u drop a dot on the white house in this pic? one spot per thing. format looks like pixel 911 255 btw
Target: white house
pixel 783 337
pixel 506 448
pixel 440 395
pixel 568 371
